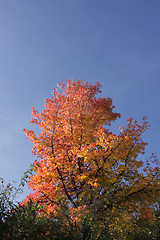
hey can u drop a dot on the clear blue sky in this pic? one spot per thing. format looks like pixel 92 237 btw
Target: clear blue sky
pixel 43 42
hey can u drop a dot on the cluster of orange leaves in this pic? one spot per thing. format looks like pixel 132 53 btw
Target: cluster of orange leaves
pixel 79 161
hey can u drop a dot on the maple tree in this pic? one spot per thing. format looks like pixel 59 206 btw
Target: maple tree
pixel 81 165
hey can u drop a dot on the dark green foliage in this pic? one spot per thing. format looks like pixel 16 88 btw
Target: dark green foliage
pixel 27 222
pixel 8 193
pixel 23 223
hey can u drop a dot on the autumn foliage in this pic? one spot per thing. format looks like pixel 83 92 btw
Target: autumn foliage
pixel 82 167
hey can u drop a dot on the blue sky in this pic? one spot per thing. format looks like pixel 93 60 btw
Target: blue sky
pixel 43 42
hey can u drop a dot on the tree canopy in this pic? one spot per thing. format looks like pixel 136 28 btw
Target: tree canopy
pixel 82 167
